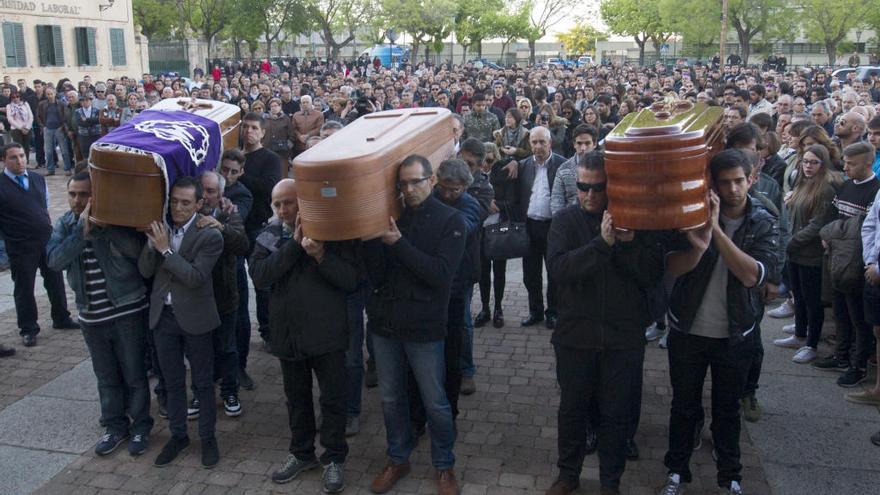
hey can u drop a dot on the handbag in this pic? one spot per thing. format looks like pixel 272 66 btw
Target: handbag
pixel 505 240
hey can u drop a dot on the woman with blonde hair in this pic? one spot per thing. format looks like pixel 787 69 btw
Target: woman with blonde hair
pixel 524 105
pixel 558 127
pixel 810 209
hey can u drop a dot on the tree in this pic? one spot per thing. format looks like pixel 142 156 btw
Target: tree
pixel 334 16
pixel 543 16
pixel 424 20
pixel 152 16
pixel 637 18
pixel 829 23
pixel 474 23
pixel 243 26
pixel 510 26
pixel 207 17
pixel 753 17
pixel 699 28
pixel 279 16
pixel 581 38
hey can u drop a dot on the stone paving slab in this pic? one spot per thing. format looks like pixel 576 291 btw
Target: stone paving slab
pixel 24 470
pixel 77 384
pixel 49 423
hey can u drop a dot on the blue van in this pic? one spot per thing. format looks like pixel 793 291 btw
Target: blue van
pixel 388 54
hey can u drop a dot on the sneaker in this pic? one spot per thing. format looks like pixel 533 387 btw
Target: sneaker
pixel 292 468
pixel 245 380
pixel 192 411
pixel 138 444
pixel 863 397
pixel 171 450
pixel 333 478
pixel 733 489
pixel 468 387
pixel 352 426
pixel 790 342
pixel 231 406
pixel 804 355
pixel 653 333
pixel 108 443
pixel 831 363
pixel 673 485
pixel 789 329
pixel 210 453
pixel 751 409
pixel 784 310
pixel 371 379
pixel 852 377
pixel 664 341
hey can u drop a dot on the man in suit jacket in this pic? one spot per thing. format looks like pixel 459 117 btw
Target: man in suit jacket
pixel 536 175
pixel 25 225
pixel 183 313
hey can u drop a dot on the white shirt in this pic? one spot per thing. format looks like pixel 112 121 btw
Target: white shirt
pixel 539 201
pixel 175 241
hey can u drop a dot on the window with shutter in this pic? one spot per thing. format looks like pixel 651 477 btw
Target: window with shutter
pixel 13 44
pixel 57 46
pixel 86 53
pixel 90 44
pixel 44 45
pixel 117 47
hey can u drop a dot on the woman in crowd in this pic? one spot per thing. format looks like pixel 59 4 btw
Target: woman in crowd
pixel 278 130
pixel 810 209
pixel 21 120
pixel 512 140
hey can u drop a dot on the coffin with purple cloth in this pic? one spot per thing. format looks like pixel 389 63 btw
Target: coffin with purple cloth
pixel 134 165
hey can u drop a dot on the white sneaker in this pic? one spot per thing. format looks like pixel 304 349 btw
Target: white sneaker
pixel 805 354
pixel 653 333
pixel 664 341
pixel 784 310
pixel 789 329
pixel 735 489
pixel 790 342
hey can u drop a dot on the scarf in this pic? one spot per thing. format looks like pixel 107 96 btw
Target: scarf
pixel 512 137
pixel 18 111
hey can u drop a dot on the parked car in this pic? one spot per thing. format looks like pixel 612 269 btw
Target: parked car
pixel 584 60
pixel 486 63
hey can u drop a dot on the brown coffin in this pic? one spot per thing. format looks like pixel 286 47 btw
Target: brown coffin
pixel 128 189
pixel 347 183
pixel 657 165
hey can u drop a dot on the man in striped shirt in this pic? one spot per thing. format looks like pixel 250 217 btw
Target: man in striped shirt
pixel 101 266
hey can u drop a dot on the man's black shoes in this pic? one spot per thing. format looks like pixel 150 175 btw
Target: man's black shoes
pixel 532 319
pixel 66 324
pixel 482 318
pixel 171 450
pixel 6 351
pixel 29 340
pixel 210 453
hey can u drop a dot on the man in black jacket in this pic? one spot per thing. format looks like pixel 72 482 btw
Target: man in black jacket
pixel 600 347
pixel 711 314
pixel 308 281
pixel 411 268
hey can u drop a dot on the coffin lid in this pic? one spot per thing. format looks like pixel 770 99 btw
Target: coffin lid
pixel 210 109
pixel 371 143
pixel 683 119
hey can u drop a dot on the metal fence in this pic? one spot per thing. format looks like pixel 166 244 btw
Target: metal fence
pixel 169 56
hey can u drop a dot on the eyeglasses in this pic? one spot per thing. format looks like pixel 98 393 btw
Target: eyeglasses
pixel 403 184
pixel 587 187
pixel 811 162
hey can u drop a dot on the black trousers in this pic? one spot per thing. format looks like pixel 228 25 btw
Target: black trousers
pixel 492 271
pixel 453 347
pixel 609 379
pixel 533 276
pixel 23 263
pixel 854 336
pixel 753 373
pixel 689 358
pixel 329 369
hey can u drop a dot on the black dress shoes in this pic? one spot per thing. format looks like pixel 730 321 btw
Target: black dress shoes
pixel 67 324
pixel 532 319
pixel 482 318
pixel 29 340
pixel 498 320
pixel 6 351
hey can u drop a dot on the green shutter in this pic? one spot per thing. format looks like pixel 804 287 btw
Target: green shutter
pixel 117 47
pixel 57 46
pixel 13 44
pixel 90 45
pixel 79 43
pixel 19 45
pixel 44 45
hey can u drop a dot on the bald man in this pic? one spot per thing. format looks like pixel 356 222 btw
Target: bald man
pixel 850 128
pixel 308 282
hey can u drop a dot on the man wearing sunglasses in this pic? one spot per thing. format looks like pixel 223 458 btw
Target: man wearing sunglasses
pixel 600 347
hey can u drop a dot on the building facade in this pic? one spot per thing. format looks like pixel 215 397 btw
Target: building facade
pixel 57 39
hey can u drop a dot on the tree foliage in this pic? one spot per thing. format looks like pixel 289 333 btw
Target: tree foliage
pixel 750 18
pixel 474 22
pixel 424 20
pixel 581 38
pixel 829 22
pixel 697 21
pixel 335 18
pixel 545 14
pixel 155 17
pixel 207 17
pixel 637 18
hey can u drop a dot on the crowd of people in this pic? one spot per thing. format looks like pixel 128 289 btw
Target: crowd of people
pixel 792 215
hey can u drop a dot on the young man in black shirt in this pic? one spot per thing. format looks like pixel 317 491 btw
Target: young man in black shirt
pixel 852 204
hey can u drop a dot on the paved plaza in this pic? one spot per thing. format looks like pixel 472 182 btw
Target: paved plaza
pixel 809 441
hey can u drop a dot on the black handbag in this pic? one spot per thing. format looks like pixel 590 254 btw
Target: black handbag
pixel 505 240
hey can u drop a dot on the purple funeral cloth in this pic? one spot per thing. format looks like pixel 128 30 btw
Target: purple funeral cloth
pixel 189 144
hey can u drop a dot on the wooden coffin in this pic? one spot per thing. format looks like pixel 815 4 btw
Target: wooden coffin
pixel 657 165
pixel 128 189
pixel 347 183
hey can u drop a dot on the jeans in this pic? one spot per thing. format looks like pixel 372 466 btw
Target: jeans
pixel 329 369
pixel 23 263
pixel 468 368
pixel 689 358
pixel 354 357
pixel 609 378
pixel 853 332
pixel 85 145
pixel 225 356
pixel 117 350
pixel 427 361
pixel 172 344
pixel 533 274
pixel 753 373
pixel 809 315
pixel 452 349
pixel 51 139
pixel 243 322
pixel 4 258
